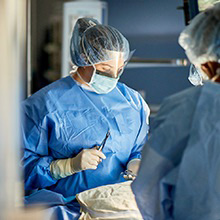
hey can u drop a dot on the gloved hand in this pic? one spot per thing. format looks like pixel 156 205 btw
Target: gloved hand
pixel 132 169
pixel 86 159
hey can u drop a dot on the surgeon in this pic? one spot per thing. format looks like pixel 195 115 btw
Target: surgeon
pixel 179 175
pixel 65 123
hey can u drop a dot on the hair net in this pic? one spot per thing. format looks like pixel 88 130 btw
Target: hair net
pixel 201 38
pixel 93 43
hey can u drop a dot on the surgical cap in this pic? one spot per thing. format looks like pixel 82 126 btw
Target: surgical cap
pixel 201 38
pixel 93 43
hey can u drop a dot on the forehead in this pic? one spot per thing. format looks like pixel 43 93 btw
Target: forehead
pixel 116 59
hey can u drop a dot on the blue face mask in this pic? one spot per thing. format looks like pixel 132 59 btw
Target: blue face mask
pixel 195 76
pixel 102 84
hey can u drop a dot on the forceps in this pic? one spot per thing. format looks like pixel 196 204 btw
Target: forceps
pixel 104 141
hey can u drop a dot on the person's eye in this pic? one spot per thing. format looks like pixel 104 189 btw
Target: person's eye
pixel 106 69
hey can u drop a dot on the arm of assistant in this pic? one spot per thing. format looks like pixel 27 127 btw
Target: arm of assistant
pixel 135 156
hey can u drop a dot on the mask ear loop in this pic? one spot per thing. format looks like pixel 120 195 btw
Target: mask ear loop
pixel 82 78
pixel 73 70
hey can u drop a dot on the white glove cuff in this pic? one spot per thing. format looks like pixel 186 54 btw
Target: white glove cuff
pixel 61 168
pixel 133 165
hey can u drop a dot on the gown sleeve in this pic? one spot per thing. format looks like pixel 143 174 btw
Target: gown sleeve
pixel 36 160
pixel 171 126
pixel 143 131
pixel 163 152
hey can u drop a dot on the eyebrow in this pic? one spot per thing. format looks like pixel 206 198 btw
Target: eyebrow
pixel 107 65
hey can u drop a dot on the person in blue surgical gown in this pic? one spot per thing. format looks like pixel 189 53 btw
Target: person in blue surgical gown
pixel 64 122
pixel 179 175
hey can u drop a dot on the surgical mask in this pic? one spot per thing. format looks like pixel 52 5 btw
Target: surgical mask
pixel 195 76
pixel 101 83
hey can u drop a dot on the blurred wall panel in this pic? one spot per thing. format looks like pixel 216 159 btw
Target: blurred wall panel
pixel 152 28
pixel 13 65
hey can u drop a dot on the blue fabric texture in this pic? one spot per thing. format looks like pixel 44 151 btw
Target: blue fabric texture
pixel 58 207
pixel 179 174
pixel 63 118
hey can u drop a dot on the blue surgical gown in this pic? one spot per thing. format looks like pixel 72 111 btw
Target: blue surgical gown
pixel 179 176
pixel 63 118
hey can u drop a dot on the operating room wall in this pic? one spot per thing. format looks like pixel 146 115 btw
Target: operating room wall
pixel 152 28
